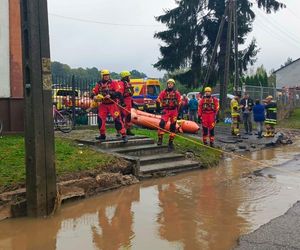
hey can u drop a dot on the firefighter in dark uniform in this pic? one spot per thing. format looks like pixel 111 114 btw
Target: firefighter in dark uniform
pixel 271 116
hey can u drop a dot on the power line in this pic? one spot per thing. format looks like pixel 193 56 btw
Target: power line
pixel 293 13
pixel 276 35
pixel 280 28
pixel 279 32
pixel 103 23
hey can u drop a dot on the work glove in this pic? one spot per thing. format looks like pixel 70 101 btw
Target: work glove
pixel 98 98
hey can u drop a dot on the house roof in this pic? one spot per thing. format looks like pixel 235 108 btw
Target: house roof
pixel 286 65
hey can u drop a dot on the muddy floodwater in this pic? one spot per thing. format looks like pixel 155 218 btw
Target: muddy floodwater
pixel 206 209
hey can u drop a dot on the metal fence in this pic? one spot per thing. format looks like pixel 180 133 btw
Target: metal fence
pixel 259 92
pixel 72 94
pixel 287 98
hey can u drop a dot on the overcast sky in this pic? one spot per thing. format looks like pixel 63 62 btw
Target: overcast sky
pixel 120 34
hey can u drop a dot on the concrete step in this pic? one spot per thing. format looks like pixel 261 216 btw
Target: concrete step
pixel 118 142
pixel 169 167
pixel 121 144
pixel 159 158
pixel 142 150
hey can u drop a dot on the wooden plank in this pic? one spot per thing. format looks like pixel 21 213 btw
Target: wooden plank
pixel 39 134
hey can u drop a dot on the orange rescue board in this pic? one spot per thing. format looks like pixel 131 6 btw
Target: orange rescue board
pixel 152 121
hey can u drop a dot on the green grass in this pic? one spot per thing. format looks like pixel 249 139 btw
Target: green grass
pixel 292 122
pixel 183 143
pixel 69 159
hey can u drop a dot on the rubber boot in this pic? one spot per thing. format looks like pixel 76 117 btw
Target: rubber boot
pixel 259 135
pixel 212 144
pixel 171 146
pixel 160 140
pixel 101 137
pixel 124 138
pixel 118 134
pixel 129 132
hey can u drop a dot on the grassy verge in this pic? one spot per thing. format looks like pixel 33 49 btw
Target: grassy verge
pixel 183 143
pixel 292 122
pixel 69 159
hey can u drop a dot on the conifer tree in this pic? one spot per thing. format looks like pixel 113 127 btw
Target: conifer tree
pixel 191 34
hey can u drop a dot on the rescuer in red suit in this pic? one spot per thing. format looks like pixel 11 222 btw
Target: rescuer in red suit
pixel 207 111
pixel 170 100
pixel 126 103
pixel 108 92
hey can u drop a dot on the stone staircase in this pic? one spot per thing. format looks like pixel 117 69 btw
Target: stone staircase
pixel 150 160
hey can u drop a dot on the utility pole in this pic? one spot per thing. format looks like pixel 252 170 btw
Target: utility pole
pixel 223 92
pixel 236 49
pixel 231 14
pixel 216 45
pixel 39 133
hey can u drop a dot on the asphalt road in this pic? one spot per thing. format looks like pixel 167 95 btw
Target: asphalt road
pixel 282 232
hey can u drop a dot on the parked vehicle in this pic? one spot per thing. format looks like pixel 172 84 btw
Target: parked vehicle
pixel 217 95
pixel 63 97
pixel 145 93
pixel 229 96
pixel 190 95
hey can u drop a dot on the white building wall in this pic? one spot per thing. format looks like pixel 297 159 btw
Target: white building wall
pixel 289 76
pixel 4 49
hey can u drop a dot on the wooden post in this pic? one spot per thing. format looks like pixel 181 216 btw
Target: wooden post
pixel 39 133
pixel 215 49
pixel 236 49
pixel 223 92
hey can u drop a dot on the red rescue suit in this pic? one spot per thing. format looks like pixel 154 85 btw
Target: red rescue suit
pixel 127 91
pixel 207 111
pixel 170 100
pixel 108 105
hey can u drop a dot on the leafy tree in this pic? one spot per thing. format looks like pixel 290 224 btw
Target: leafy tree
pixel 137 74
pixel 289 60
pixel 191 34
pixel 272 78
pixel 62 73
pixel 259 79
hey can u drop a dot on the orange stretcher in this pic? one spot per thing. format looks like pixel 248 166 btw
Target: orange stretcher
pixel 152 121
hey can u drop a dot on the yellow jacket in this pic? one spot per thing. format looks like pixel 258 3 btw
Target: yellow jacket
pixel 235 108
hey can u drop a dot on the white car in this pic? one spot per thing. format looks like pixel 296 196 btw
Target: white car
pixel 229 96
pixel 190 94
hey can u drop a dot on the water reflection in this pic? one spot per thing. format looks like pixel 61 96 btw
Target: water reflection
pixel 206 209
pixel 115 220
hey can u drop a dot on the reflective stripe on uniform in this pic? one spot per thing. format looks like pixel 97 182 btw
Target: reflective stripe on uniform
pixel 271 121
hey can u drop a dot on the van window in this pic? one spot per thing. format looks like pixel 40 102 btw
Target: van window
pixel 64 92
pixel 153 90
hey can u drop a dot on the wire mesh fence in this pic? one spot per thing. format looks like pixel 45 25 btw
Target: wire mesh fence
pixel 287 98
pixel 72 94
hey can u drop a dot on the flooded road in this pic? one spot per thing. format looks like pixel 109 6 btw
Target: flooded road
pixel 206 209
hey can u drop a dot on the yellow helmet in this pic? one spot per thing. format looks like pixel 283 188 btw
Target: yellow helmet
pixel 104 72
pixel 207 89
pixel 124 74
pixel 171 80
